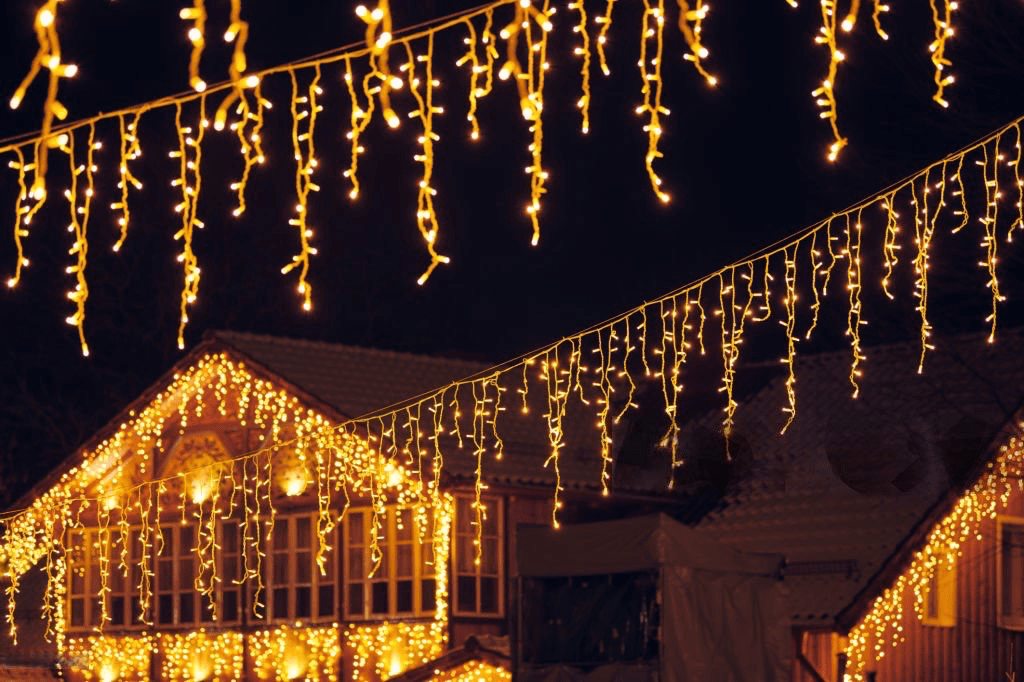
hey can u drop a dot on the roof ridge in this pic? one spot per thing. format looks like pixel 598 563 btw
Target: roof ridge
pixel 228 336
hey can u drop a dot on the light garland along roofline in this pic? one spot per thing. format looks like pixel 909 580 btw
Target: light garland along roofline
pixel 920 535
pixel 954 521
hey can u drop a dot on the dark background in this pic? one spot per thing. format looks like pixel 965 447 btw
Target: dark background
pixel 745 163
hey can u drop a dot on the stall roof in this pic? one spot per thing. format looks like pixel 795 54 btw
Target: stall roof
pixel 633 544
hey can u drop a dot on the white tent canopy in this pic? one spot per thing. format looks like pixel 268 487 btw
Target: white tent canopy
pixel 722 610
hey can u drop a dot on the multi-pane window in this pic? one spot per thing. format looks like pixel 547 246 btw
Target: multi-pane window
pixel 230 571
pixel 88 549
pixel 125 576
pixel 84 549
pixel 1011 573
pixel 403 583
pixel 296 588
pixel 940 596
pixel 478 574
pixel 177 600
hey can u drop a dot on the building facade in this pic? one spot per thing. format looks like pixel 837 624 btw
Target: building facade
pixel 233 523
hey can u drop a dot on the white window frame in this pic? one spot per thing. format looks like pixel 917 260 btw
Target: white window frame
pixel 477 571
pixel 1007 622
pixel 387 573
pixel 943 583
pixel 173 551
pixel 316 580
pixel 91 564
pixel 226 584
pixel 86 566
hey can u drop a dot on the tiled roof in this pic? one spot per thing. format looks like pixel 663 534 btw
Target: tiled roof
pixel 356 381
pixel 846 485
pixel 353 380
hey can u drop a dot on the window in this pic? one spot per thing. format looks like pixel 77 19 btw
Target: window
pixel 478 586
pixel 124 606
pixel 297 589
pixel 83 556
pixel 404 583
pixel 1011 573
pixel 85 550
pixel 230 572
pixel 940 596
pixel 177 601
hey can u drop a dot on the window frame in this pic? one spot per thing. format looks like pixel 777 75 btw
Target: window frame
pixel 176 556
pixel 291 551
pixel 91 563
pixel 1003 620
pixel 478 573
pixel 389 544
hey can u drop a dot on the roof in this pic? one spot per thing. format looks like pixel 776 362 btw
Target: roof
pixel 846 486
pixel 354 381
pixel 485 654
pixel 637 543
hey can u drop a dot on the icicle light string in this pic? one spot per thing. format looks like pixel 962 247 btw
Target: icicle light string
pixel 883 627
pixel 241 106
pixel 378 462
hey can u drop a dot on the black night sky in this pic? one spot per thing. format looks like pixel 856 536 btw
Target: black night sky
pixel 745 164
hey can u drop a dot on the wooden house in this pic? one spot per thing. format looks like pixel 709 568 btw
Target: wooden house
pixel 899 512
pixel 231 523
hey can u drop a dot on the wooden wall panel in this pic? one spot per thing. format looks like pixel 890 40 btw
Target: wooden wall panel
pixel 974 649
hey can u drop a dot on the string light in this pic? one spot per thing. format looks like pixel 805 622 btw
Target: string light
pixel 190 182
pixel 378 455
pixel 583 51
pixel 525 64
pixel 426 217
pixel 790 324
pixel 653 27
pixel 473 671
pixel 384 650
pixel 20 223
pixel 605 20
pixel 237 34
pixel 304 106
pixel 876 18
pixel 200 655
pixel 883 627
pixel 691 24
pixel 943 31
pixel 108 658
pixel 197 36
pixel 79 226
pixel 297 653
pixel 130 150
pixel 825 93
pixel 48 57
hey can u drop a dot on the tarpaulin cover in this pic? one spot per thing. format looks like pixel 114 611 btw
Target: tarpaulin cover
pixel 723 612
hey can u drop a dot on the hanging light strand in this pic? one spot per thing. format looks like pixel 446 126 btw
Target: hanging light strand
pixel 197 36
pixel 691 22
pixel 526 41
pixel 943 22
pixel 49 57
pixel 304 107
pixel 189 155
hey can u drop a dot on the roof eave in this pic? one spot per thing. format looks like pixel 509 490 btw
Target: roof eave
pixel 897 561
pixel 211 343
